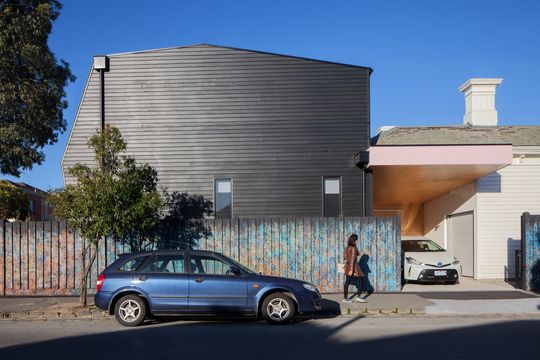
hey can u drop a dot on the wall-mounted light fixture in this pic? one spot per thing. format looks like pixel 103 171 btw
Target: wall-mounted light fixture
pixel 101 64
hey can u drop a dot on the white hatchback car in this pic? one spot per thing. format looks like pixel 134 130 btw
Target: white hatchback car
pixel 425 260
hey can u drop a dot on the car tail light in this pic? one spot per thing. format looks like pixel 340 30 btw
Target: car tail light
pixel 99 282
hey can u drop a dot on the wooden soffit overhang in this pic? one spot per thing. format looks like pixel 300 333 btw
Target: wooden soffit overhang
pixel 416 174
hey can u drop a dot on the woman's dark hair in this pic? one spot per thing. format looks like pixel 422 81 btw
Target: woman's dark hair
pixel 352 239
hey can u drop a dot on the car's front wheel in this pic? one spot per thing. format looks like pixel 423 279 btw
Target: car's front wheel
pixel 130 310
pixel 278 308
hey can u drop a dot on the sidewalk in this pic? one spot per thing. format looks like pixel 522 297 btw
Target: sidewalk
pixel 35 308
pixel 379 304
pixel 385 304
pixel 47 308
pixel 530 306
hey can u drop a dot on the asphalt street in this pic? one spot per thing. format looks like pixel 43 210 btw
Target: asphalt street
pixel 339 337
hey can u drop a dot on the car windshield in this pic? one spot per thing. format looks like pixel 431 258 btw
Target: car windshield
pixel 245 268
pixel 420 246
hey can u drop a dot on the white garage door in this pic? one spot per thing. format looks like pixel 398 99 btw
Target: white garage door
pixel 461 240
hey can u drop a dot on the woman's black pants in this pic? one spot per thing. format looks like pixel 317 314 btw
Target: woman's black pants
pixel 349 279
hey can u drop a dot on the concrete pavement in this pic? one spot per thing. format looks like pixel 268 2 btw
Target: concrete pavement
pixel 484 307
pixel 340 337
pixel 385 304
pixel 15 304
pixel 381 304
pixel 28 308
pixel 464 284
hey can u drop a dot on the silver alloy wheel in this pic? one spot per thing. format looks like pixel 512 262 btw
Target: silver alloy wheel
pixel 129 310
pixel 278 309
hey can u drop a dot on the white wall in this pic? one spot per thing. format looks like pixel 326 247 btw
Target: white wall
pixel 435 211
pixel 502 197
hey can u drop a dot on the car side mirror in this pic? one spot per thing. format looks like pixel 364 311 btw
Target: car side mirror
pixel 235 270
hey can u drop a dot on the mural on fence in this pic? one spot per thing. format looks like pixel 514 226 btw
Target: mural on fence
pixel 530 233
pixel 43 258
pixel 309 248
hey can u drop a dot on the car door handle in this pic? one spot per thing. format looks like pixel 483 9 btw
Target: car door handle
pixel 199 279
pixel 143 278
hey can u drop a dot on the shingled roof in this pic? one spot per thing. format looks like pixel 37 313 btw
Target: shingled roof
pixel 459 135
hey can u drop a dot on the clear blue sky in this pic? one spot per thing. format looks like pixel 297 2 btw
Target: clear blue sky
pixel 421 51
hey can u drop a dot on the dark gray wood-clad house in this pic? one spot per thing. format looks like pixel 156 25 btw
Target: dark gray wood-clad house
pixel 259 134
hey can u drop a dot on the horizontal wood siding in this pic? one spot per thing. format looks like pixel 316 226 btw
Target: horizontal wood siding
pixel 502 198
pixel 274 124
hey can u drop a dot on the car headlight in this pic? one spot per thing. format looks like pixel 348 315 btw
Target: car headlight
pixel 310 287
pixel 413 261
pixel 456 261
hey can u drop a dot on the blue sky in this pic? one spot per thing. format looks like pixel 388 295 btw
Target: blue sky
pixel 421 51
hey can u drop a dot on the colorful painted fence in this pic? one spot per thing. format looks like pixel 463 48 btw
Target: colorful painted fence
pixel 310 248
pixel 530 249
pixel 43 258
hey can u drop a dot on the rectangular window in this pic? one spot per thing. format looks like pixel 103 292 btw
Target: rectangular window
pixel 133 264
pixel 173 263
pixel 223 198
pixel 204 264
pixel 332 197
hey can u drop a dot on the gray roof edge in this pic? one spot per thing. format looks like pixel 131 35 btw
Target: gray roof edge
pixel 456 144
pixel 459 127
pixel 241 49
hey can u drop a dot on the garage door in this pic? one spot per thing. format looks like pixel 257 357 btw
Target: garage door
pixel 461 240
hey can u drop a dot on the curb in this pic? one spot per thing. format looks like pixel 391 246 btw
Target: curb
pixel 94 313
pixel 384 311
pixel 55 315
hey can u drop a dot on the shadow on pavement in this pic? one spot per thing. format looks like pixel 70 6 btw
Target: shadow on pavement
pixel 303 340
pixel 330 310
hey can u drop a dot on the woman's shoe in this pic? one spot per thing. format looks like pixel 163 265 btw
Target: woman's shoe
pixel 348 301
pixel 360 300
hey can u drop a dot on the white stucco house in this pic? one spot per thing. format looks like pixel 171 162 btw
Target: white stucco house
pixel 463 186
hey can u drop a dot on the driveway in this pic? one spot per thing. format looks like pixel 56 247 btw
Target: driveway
pixel 465 284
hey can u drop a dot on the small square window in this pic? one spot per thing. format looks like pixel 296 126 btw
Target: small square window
pixel 331 186
pixel 223 186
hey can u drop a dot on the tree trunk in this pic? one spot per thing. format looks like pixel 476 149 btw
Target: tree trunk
pixel 87 266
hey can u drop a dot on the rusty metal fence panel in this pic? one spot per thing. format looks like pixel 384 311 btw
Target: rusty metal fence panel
pixel 43 258
pixel 530 252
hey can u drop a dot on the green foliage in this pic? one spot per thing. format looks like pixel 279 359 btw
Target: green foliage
pixel 115 198
pixel 32 83
pixel 13 202
pixel 180 224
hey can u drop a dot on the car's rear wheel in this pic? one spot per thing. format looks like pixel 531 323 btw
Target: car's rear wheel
pixel 130 310
pixel 278 308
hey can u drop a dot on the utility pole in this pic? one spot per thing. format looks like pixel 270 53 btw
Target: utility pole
pixel 101 65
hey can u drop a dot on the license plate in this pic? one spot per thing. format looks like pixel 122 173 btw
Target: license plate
pixel 440 272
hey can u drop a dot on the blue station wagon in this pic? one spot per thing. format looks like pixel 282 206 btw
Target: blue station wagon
pixel 196 282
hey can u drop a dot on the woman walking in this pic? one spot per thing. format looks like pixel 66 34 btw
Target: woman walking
pixel 353 274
